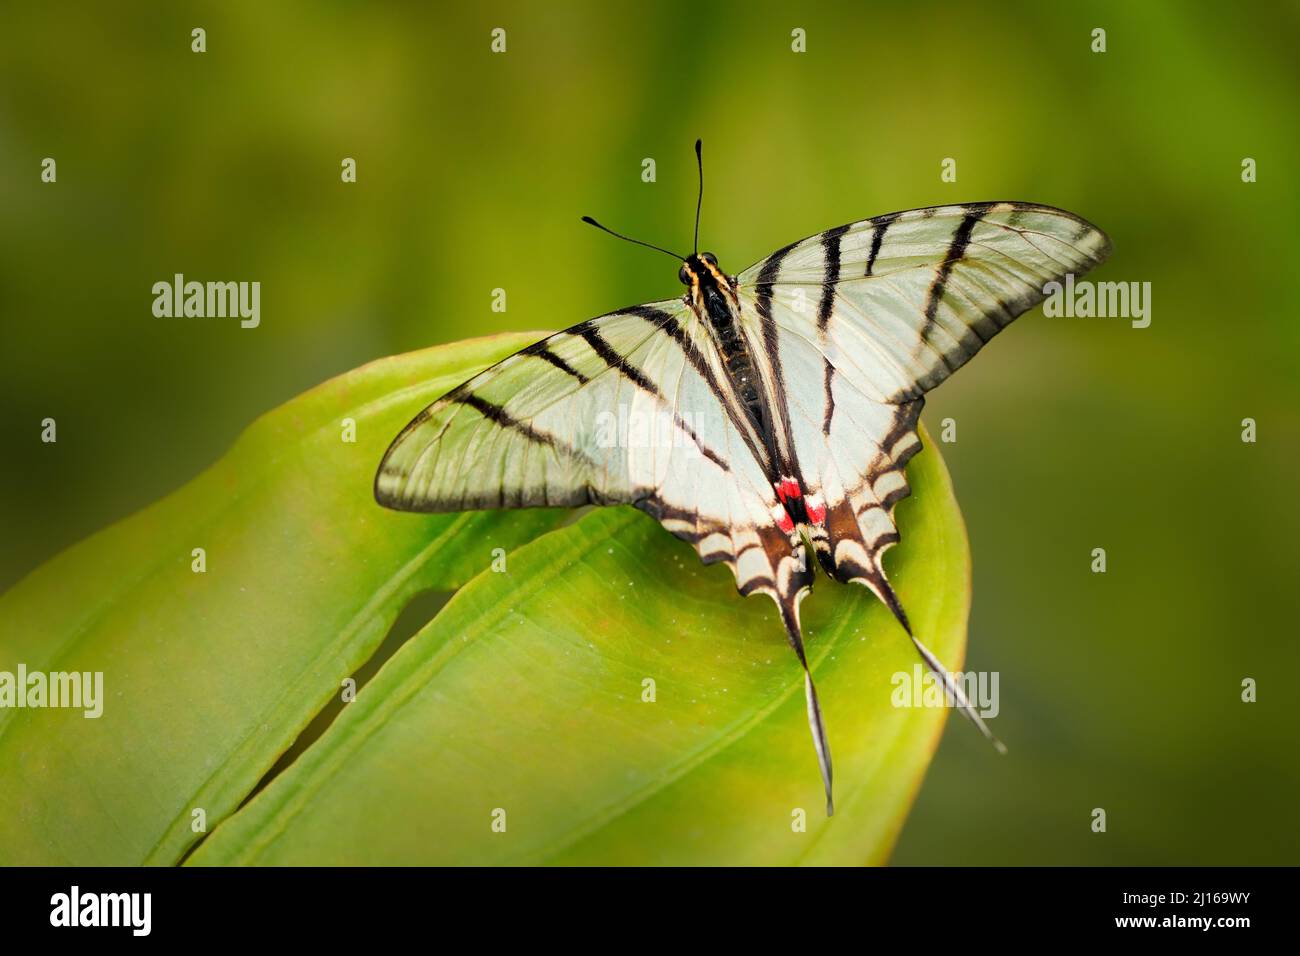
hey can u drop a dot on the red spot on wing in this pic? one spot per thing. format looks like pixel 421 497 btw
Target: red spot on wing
pixel 784 522
pixel 816 510
pixel 788 488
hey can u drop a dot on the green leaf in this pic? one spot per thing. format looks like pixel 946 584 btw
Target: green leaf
pixel 525 695
pixel 208 677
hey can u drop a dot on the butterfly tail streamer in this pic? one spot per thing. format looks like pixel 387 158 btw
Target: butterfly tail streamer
pixel 951 688
pixel 790 618
pixel 954 691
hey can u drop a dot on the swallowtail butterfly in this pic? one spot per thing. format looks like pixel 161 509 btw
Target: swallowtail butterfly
pixel 791 391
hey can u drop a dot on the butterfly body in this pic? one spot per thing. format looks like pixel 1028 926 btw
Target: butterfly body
pixel 792 392
pixel 712 297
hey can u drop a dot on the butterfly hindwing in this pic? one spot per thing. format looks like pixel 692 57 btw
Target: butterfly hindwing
pixel 844 451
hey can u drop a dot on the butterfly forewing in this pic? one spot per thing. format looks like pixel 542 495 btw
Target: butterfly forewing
pixel 524 433
pixel 902 301
pixel 633 407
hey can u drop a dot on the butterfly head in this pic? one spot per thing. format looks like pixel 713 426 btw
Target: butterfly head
pixel 709 291
pixel 698 267
pixel 700 273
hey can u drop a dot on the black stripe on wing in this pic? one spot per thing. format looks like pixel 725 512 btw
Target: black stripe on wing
pixel 879 225
pixel 729 402
pixel 956 252
pixel 542 351
pixel 619 363
pixel 830 276
pixel 779 409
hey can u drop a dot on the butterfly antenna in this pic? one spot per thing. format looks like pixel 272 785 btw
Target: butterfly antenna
pixel 790 618
pixel 699 203
pixel 649 245
pixel 951 688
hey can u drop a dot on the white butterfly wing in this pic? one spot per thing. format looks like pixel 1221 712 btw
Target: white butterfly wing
pixel 628 408
pixel 855 324
pixel 913 295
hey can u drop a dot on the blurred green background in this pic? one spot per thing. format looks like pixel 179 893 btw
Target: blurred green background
pixel 1119 690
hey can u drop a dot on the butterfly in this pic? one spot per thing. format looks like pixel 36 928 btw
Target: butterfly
pixel 784 400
